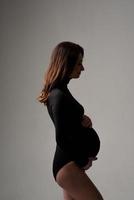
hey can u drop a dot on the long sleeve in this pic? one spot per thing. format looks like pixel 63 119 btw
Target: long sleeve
pixel 67 122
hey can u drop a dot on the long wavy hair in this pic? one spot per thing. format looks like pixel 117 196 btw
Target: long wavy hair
pixel 62 61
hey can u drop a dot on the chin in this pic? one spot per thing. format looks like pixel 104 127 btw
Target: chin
pixel 76 77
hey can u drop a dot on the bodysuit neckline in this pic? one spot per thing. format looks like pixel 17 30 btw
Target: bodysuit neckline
pixel 62 84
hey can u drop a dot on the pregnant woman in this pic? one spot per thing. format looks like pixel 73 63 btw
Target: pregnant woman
pixel 77 143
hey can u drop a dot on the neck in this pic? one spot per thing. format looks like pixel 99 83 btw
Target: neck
pixel 62 84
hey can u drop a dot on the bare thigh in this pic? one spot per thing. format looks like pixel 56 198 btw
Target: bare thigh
pixel 67 196
pixel 76 182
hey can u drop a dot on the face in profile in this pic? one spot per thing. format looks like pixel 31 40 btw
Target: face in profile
pixel 78 68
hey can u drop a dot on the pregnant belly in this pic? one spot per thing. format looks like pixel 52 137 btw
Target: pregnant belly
pixel 92 140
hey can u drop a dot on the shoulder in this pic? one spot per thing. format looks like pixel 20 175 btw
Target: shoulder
pixel 56 93
pixel 56 96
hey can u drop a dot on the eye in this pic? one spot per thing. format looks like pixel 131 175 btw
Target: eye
pixel 80 62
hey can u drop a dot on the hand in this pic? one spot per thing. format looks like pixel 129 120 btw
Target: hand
pixel 86 121
pixel 89 164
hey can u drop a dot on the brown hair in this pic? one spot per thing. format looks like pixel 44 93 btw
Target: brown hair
pixel 63 59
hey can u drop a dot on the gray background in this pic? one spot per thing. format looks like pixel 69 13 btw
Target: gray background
pixel 29 32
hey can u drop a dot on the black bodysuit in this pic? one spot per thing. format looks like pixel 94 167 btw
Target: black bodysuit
pixel 74 142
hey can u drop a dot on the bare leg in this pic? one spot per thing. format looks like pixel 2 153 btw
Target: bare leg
pixel 76 182
pixel 66 195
